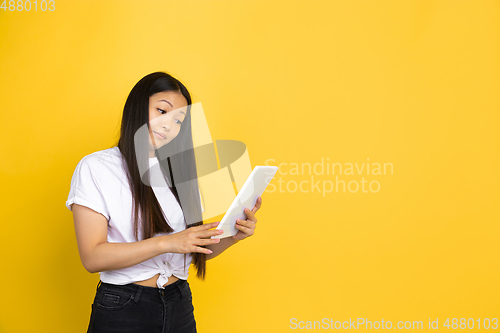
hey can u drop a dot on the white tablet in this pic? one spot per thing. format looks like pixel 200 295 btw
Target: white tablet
pixel 253 188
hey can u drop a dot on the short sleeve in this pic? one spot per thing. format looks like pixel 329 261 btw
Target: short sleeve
pixel 85 187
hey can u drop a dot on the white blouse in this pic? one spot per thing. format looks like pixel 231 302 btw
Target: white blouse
pixel 100 183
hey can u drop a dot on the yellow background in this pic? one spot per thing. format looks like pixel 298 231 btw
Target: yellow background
pixel 412 83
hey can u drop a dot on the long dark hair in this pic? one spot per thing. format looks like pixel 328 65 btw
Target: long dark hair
pixel 176 159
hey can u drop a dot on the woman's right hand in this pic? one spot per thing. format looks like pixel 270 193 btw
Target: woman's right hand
pixel 191 239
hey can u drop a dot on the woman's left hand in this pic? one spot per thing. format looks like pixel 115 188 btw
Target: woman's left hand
pixel 246 228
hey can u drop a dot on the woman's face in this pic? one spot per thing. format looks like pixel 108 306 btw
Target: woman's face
pixel 167 111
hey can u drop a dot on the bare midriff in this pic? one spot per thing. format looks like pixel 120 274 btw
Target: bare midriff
pixel 152 281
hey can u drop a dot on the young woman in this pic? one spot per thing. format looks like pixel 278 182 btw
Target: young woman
pixel 137 214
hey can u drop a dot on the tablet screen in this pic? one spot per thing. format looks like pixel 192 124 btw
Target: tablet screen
pixel 253 188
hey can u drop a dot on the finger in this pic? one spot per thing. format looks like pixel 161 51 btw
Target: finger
pixel 202 250
pixel 208 233
pixel 250 215
pixel 245 230
pixel 257 205
pixel 207 241
pixel 246 223
pixel 207 226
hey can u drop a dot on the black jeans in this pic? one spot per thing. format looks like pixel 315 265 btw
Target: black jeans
pixel 135 308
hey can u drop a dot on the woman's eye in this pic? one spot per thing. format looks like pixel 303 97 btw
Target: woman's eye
pixel 178 121
pixel 162 111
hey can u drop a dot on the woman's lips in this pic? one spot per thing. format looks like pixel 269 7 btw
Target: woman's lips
pixel 159 135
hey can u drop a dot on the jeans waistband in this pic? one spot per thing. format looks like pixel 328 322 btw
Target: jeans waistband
pixel 151 293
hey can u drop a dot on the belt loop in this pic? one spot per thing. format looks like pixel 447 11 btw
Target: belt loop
pixel 180 290
pixel 138 294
